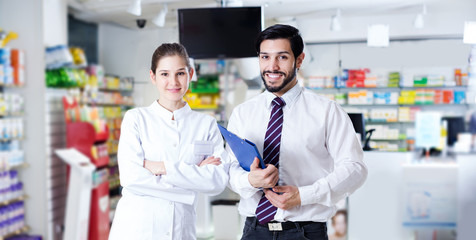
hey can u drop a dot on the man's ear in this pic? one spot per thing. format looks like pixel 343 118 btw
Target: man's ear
pixel 299 60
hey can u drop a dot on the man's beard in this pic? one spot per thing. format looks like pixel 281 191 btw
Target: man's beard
pixel 286 80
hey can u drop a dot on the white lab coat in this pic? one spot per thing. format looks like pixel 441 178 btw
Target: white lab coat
pixel 163 207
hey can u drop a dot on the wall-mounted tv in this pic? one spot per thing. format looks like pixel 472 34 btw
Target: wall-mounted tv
pixel 220 33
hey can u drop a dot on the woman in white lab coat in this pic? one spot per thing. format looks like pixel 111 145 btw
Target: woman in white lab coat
pixel 167 154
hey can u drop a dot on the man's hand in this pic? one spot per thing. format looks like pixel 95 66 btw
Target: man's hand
pixel 210 160
pixel 284 197
pixel 156 168
pixel 264 178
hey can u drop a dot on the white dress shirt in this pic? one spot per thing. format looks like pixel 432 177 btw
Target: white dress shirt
pixel 163 207
pixel 320 153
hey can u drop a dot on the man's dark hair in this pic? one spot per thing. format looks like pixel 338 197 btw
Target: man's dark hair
pixel 280 31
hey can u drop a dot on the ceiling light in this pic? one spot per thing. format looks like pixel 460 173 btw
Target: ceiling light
pixel 335 22
pixel 378 35
pixel 469 36
pixel 135 8
pixel 160 19
pixel 419 21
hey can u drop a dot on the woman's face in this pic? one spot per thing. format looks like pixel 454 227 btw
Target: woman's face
pixel 171 78
pixel 340 226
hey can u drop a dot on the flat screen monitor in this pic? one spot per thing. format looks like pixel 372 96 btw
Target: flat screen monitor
pixel 358 121
pixel 219 33
pixel 455 126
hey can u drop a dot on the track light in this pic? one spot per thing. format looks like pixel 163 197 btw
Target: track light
pixel 335 21
pixel 419 21
pixel 135 8
pixel 160 19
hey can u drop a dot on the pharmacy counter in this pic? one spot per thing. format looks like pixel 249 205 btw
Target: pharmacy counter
pixel 401 197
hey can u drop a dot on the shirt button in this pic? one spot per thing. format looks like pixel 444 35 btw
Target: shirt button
pixel 174 145
pixel 167 234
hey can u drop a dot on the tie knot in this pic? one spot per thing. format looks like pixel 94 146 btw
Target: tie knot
pixel 279 102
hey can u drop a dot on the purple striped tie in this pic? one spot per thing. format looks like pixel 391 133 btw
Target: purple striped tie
pixel 265 211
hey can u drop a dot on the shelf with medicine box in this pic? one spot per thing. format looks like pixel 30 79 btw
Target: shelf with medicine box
pixel 87 131
pixel 12 195
pixel 392 111
pixel 205 94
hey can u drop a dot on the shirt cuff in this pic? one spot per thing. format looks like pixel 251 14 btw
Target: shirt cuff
pixel 170 169
pixel 308 195
pixel 246 185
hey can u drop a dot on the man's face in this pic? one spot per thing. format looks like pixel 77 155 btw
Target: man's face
pixel 278 65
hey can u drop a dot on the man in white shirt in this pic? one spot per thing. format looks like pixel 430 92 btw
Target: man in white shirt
pixel 313 156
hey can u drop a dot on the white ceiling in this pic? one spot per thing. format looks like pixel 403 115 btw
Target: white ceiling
pixel 114 11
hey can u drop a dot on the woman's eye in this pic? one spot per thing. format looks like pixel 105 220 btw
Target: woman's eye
pixel 164 74
pixel 180 73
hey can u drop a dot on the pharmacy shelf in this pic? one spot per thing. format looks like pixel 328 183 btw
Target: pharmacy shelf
pixel 387 139
pixel 115 90
pixel 8 202
pixel 406 105
pixel 20 166
pixel 11 139
pixel 367 121
pixel 24 229
pixel 108 104
pixel 389 88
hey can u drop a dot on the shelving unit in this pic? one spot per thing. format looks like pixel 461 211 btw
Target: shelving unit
pixel 114 112
pixel 83 137
pixel 393 131
pixel 13 196
pixel 205 94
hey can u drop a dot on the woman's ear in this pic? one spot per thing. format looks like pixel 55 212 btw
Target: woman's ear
pixel 152 76
pixel 190 73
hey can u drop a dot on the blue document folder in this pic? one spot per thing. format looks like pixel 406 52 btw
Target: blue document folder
pixel 244 150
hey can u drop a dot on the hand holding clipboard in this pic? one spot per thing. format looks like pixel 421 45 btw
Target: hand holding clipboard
pixel 244 150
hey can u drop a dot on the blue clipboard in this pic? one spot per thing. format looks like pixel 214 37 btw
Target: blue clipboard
pixel 244 150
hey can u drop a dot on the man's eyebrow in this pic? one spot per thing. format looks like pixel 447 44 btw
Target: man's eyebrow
pixel 280 52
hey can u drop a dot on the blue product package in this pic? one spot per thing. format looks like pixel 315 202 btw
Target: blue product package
pixel 459 97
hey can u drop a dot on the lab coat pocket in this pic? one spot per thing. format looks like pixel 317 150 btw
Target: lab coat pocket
pixel 199 150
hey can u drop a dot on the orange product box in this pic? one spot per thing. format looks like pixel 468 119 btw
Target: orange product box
pixel 448 96
pixel 18 64
pixel 438 98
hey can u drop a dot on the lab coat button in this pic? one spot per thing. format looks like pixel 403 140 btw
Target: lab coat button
pixel 167 234
pixel 174 145
pixel 171 203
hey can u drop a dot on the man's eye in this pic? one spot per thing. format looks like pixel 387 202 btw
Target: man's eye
pixel 283 57
pixel 180 73
pixel 164 74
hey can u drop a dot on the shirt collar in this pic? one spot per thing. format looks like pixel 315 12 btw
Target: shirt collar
pixel 177 114
pixel 288 97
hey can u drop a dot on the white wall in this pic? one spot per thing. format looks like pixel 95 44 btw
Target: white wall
pixel 55 22
pixel 398 56
pixel 25 18
pixel 447 20
pixel 127 52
